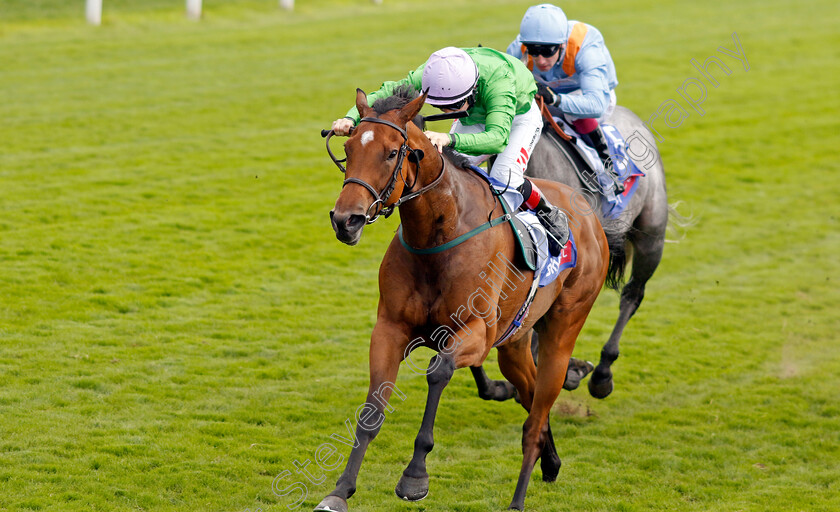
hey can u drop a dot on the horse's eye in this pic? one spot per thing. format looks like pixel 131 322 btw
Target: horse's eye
pixel 393 154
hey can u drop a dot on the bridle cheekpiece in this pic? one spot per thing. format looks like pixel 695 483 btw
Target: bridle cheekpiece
pixel 414 155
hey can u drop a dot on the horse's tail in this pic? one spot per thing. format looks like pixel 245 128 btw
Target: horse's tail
pixel 616 233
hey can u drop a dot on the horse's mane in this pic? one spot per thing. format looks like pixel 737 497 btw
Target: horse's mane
pixel 458 159
pixel 402 96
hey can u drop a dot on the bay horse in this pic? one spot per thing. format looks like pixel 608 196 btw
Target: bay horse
pixel 638 231
pixel 446 300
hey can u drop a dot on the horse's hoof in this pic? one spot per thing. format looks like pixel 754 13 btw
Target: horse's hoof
pixel 500 390
pixel 411 488
pixel 504 391
pixel 331 504
pixel 578 369
pixel 550 469
pixel 600 388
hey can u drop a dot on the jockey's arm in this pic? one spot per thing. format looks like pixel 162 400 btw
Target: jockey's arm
pixel 515 48
pixel 500 104
pixel 595 94
pixel 593 101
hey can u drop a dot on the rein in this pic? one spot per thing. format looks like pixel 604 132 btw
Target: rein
pixel 380 198
pixel 550 118
pixel 415 155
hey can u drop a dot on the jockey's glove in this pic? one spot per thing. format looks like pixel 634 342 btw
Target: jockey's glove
pixel 548 95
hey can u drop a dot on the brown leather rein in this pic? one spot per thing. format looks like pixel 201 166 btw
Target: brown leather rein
pixel 550 118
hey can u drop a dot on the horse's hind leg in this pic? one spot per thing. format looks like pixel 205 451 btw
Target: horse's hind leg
pixel 489 389
pixel 414 483
pixel 517 365
pixel 578 368
pixel 647 252
pixel 557 340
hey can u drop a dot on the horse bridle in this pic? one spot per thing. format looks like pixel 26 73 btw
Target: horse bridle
pixel 414 155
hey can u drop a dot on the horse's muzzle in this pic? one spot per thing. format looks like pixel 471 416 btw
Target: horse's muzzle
pixel 347 227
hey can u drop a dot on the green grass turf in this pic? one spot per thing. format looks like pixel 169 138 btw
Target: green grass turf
pixel 178 324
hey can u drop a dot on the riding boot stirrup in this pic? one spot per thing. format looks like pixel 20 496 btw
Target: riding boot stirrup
pixel 556 224
pixel 553 219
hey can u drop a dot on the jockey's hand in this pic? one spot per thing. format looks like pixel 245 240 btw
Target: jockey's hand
pixel 439 140
pixel 547 94
pixel 343 126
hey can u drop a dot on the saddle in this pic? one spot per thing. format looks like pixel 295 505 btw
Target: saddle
pixel 587 163
pixel 530 252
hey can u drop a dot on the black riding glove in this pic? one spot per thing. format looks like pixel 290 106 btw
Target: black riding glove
pixel 547 94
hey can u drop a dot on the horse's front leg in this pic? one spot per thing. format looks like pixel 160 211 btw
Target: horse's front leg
pixel 414 483
pixel 387 347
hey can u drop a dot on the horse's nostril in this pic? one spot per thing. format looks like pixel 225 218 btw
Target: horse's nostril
pixel 355 221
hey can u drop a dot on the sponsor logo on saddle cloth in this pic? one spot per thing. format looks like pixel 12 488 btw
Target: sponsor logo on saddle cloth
pixel 548 266
pixel 627 171
pixel 612 204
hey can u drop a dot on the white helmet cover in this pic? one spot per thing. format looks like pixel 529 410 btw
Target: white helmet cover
pixel 450 75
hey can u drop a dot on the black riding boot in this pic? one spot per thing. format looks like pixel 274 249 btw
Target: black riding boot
pixel 596 136
pixel 552 218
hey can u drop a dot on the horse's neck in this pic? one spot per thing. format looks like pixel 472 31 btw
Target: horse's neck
pixel 440 214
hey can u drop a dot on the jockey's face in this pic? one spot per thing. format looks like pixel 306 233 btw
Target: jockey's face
pixel 546 63
pixel 448 108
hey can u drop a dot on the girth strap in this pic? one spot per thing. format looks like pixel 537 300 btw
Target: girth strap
pixel 507 217
pixel 455 241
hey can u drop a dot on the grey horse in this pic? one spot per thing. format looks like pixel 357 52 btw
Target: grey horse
pixel 638 232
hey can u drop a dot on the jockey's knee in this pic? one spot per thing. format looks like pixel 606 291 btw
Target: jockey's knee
pixel 584 126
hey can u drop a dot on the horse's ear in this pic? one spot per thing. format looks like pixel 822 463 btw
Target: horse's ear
pixel 413 108
pixel 362 104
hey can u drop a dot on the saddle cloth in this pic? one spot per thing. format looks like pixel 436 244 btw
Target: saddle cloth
pixel 533 251
pixel 612 204
pixel 548 266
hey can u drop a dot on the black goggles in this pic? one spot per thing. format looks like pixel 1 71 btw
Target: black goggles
pixel 453 106
pixel 542 50
pixel 458 104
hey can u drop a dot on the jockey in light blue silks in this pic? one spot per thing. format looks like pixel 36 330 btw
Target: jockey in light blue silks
pixel 572 67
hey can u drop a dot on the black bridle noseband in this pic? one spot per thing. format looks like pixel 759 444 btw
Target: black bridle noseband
pixel 414 155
